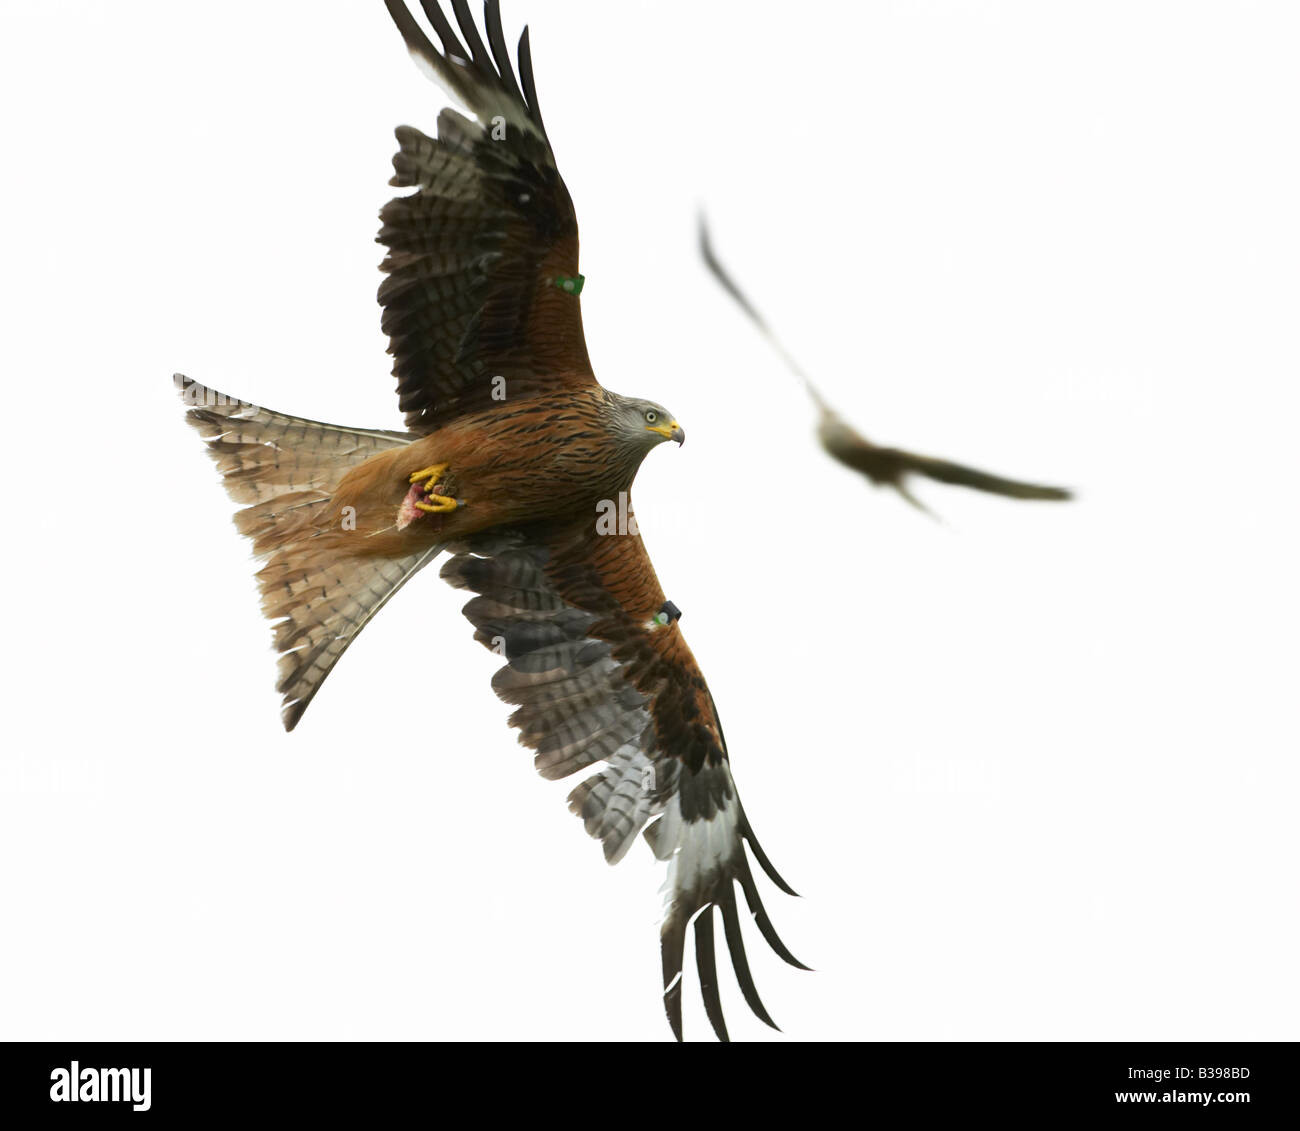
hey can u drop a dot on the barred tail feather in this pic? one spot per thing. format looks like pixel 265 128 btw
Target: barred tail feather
pixel 285 469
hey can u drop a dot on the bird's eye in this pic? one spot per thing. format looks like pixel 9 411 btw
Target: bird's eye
pixel 651 417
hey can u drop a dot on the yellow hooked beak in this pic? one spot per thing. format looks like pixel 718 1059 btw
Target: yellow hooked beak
pixel 672 431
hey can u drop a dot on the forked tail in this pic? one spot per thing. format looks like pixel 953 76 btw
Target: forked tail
pixel 283 470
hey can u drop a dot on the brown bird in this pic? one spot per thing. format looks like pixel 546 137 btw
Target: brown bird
pixel 518 464
pixel 887 467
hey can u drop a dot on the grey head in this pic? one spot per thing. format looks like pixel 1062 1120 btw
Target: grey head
pixel 640 424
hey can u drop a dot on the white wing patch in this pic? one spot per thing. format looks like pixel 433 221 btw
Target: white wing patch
pixel 697 851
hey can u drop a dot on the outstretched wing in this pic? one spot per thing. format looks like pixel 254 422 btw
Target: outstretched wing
pixel 890 467
pixel 482 259
pixel 600 674
pixel 883 466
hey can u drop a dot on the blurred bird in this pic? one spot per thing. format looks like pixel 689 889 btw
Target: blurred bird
pixel 885 467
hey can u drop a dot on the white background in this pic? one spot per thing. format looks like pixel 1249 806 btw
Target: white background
pixel 1033 770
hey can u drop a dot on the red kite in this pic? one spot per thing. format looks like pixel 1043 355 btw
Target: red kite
pixel 518 464
pixel 885 467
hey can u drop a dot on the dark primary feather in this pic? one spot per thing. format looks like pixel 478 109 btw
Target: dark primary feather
pixel 596 683
pixel 501 53
pixel 475 249
pixel 883 466
pixel 470 32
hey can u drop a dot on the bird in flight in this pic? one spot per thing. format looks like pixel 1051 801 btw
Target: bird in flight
pixel 885 467
pixel 517 464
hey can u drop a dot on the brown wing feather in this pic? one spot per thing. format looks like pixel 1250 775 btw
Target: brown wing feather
pixel 479 253
pixel 600 673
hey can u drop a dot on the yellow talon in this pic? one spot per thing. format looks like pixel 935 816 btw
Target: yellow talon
pixel 441 504
pixel 432 474
pixel 432 503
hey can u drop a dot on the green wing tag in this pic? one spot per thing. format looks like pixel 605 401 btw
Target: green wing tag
pixel 570 285
pixel 668 612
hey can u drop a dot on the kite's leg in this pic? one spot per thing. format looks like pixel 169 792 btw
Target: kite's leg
pixel 432 503
pixel 432 474
pixel 439 504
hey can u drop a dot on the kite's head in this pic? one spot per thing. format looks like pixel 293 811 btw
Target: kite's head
pixel 661 422
pixel 644 424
